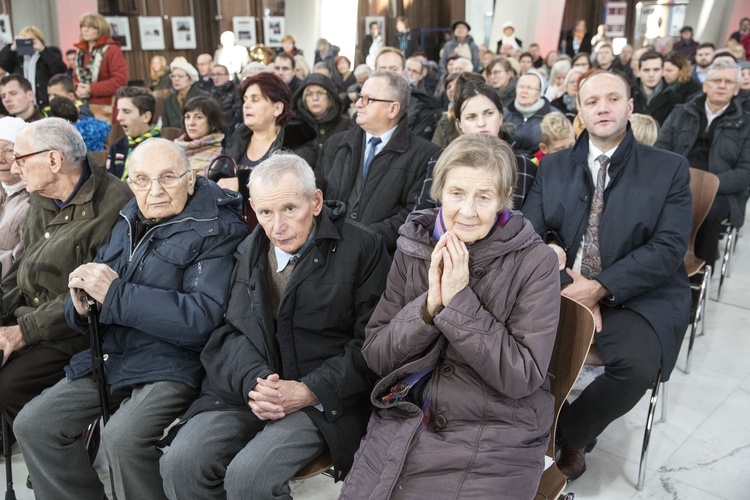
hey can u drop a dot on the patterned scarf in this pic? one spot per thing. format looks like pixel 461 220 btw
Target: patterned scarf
pixel 91 72
pixel 400 391
pixel 133 142
pixel 501 219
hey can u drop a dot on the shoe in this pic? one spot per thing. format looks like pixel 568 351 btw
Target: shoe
pixel 572 462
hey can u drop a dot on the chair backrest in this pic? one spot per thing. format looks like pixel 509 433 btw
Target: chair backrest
pixel 102 112
pixel 159 111
pixel 171 133
pixel 574 333
pixel 703 186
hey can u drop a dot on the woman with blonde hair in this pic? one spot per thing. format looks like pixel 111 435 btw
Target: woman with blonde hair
pixel 159 73
pixel 38 67
pixel 100 66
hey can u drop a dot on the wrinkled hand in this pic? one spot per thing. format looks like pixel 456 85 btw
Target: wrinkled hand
pixel 11 340
pixel 455 267
pixel 273 398
pixel 93 279
pixel 561 257
pixel 83 90
pixel 230 183
pixel 587 292
pixel 434 276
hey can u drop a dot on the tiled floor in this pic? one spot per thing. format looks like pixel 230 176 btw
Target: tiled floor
pixel 701 452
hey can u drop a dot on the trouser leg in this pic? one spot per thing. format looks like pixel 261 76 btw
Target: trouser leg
pixel 707 238
pixel 632 356
pixel 26 375
pixel 130 437
pixel 262 470
pixel 195 464
pixel 49 433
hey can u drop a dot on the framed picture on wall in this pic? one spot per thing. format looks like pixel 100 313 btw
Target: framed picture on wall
pixel 183 32
pixel 151 30
pixel 244 31
pixel 6 34
pixel 119 28
pixel 375 19
pixel 273 31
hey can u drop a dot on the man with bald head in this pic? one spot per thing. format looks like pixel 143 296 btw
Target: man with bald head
pixel 161 285
pixel 618 215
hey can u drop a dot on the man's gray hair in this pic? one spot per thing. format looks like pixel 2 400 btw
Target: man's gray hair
pixel 399 85
pixel 468 66
pixel 362 69
pixel 270 172
pixel 177 152
pixel 57 134
pixel 724 64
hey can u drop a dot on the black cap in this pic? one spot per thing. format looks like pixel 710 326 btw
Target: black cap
pixel 455 25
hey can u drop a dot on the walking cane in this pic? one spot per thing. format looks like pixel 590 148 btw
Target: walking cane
pixel 97 363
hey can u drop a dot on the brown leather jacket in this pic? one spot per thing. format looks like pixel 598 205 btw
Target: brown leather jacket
pixel 490 408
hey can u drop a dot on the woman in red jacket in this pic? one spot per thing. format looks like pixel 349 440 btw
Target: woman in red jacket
pixel 100 67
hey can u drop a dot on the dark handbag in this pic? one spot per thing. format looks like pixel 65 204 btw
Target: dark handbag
pixel 242 177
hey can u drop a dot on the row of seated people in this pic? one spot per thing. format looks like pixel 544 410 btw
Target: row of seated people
pixel 430 329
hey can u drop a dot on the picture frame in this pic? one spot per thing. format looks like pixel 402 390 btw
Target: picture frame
pixel 245 32
pixel 119 27
pixel 273 31
pixel 183 32
pixel 151 30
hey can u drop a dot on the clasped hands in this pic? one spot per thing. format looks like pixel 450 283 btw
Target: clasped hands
pixel 92 279
pixel 587 292
pixel 448 274
pixel 273 398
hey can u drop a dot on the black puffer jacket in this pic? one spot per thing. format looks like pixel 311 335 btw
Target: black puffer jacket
pixel 332 122
pixel 318 338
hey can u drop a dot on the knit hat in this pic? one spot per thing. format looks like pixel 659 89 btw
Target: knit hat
pixel 542 79
pixel 509 24
pixel 455 25
pixel 186 67
pixel 9 128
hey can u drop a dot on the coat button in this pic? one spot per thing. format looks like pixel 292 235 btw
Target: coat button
pixel 440 422
pixel 67 217
pixel 322 132
pixel 36 301
pixel 354 215
pixel 584 197
pixel 478 272
pixel 105 357
pixel 447 370
pixel 83 213
pixel 334 413
pixel 217 403
pixel 46 235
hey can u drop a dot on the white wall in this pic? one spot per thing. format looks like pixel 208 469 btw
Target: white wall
pixel 334 20
pixel 302 22
pixel 535 21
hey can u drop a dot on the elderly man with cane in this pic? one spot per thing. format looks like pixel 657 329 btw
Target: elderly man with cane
pixel 160 285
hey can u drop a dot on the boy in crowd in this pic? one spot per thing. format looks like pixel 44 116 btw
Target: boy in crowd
pixel 62 86
pixel 135 109
pixel 557 134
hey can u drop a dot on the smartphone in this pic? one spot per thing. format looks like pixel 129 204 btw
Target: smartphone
pixel 25 46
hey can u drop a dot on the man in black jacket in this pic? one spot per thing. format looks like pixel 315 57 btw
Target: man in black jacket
pixel 227 93
pixel 618 215
pixel 377 168
pixel 713 132
pixel 651 95
pixel 285 377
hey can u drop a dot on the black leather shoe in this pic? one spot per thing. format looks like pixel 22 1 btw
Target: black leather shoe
pixel 572 462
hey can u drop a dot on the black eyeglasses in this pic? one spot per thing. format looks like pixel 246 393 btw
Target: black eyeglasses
pixel 367 100
pixel 17 158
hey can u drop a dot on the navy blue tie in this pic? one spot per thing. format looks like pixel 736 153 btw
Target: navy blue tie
pixel 374 141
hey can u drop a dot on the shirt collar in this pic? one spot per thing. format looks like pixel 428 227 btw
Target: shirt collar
pixel 384 137
pixel 712 116
pixel 85 175
pixel 595 152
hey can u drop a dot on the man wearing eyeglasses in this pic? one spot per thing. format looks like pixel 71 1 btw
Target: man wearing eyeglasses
pixel 713 131
pixel 73 205
pixel 205 64
pixel 161 285
pixel 377 168
pixel 226 92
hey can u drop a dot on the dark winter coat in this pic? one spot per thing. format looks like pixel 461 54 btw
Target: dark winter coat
pixel 490 410
pixel 729 153
pixel 393 180
pixel 230 103
pixel 49 64
pixel 171 291
pixel 319 334
pixel 643 233
pixel 172 115
pixel 660 105
pixel 420 114
pixel 528 133
pixel 450 48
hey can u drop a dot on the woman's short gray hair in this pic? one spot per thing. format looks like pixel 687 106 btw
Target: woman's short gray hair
pixel 57 134
pixel 399 86
pixel 483 152
pixel 276 166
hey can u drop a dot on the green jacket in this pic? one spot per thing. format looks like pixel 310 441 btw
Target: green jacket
pixel 57 241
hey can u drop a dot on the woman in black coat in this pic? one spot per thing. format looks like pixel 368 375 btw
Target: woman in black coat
pixel 38 67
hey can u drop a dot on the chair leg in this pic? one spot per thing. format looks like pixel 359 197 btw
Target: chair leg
pixel 647 433
pixel 10 493
pixel 709 272
pixel 724 265
pixel 664 400
pixel 731 239
pixel 700 314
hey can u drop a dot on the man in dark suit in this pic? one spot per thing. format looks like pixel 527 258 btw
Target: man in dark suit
pixel 618 214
